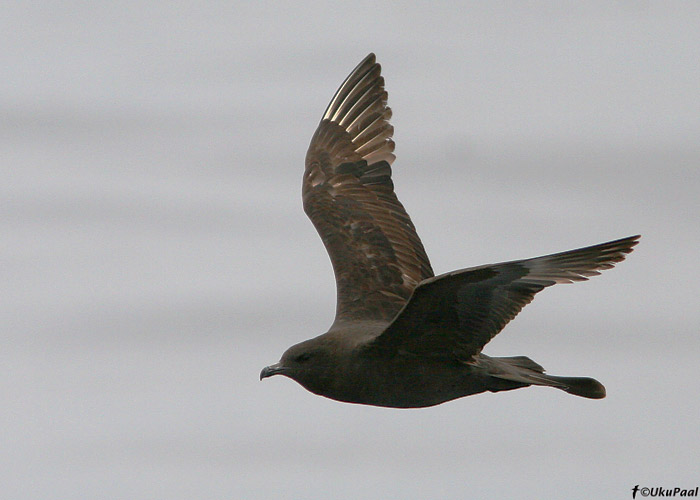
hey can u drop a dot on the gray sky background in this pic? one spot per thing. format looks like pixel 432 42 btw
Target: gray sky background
pixel 155 255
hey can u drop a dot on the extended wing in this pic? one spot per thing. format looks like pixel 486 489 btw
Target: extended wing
pixel 454 315
pixel 348 194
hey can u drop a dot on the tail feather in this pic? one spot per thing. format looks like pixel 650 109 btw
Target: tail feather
pixel 522 362
pixel 580 386
pixel 523 370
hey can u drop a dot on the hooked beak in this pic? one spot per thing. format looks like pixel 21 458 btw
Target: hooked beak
pixel 271 370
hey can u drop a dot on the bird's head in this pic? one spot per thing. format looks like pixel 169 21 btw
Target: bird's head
pixel 309 363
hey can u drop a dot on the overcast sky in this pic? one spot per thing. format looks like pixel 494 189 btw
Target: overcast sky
pixel 155 255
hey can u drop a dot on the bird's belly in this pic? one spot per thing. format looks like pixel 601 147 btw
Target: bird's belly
pixel 409 385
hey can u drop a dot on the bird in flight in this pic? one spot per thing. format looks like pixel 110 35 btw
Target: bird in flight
pixel 403 337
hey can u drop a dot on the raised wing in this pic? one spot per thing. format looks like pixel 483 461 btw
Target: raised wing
pixel 454 315
pixel 348 194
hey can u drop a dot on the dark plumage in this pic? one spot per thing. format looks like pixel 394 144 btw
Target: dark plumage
pixel 403 337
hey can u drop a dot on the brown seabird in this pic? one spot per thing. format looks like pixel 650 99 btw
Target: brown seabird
pixel 403 337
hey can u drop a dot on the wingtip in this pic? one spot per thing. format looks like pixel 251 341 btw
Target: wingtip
pixel 359 107
pixel 615 251
pixel 365 66
pixel 627 244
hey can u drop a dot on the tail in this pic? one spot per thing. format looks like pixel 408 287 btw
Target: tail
pixel 580 386
pixel 525 371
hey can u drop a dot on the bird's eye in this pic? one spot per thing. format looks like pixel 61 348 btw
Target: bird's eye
pixel 302 357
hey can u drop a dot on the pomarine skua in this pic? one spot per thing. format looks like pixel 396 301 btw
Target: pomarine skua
pixel 403 337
